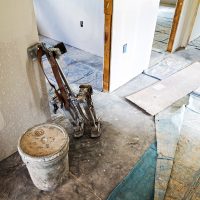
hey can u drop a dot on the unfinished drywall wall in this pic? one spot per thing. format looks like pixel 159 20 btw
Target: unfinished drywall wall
pixel 132 37
pixel 60 20
pixel 23 97
pixel 196 28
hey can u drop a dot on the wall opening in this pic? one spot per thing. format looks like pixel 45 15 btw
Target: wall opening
pixel 164 25
pixel 80 26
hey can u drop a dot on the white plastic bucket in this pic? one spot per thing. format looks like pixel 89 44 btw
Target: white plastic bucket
pixel 44 150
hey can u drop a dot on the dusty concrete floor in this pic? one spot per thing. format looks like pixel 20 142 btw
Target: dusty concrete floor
pixel 195 43
pixel 96 165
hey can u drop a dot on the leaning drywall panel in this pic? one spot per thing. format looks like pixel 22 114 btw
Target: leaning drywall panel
pixel 162 94
pixel 60 20
pixel 196 29
pixel 23 96
pixel 132 37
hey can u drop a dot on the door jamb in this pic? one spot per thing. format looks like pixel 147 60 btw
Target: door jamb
pixel 188 23
pixel 108 11
pixel 179 6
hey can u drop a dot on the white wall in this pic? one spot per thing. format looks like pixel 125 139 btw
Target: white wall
pixel 60 20
pixel 23 94
pixel 196 29
pixel 133 23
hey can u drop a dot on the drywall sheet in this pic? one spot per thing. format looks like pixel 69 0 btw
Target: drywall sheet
pixel 168 125
pixel 23 94
pixel 184 182
pixel 164 93
pixel 133 30
pixel 79 23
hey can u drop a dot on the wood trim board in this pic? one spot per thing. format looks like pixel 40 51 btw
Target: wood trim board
pixel 176 19
pixel 108 10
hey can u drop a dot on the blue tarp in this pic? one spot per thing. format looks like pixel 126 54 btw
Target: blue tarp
pixel 139 183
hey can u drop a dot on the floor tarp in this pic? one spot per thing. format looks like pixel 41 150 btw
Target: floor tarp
pixel 139 183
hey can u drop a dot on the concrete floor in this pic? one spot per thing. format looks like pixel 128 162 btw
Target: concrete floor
pixel 163 28
pixel 97 165
pixel 195 44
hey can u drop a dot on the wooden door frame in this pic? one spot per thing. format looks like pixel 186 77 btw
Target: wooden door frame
pixel 179 6
pixel 108 11
pixel 188 23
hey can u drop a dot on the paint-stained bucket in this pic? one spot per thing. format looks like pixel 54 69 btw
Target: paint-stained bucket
pixel 44 150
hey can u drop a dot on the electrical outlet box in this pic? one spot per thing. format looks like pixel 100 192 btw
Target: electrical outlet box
pixel 81 23
pixel 124 48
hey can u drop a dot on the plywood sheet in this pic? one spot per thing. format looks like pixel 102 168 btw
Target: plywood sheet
pixel 164 93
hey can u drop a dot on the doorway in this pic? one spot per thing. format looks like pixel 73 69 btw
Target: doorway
pixel 164 25
pixel 194 40
pixel 80 26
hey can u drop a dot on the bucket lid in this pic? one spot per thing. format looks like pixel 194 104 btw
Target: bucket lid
pixel 43 140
